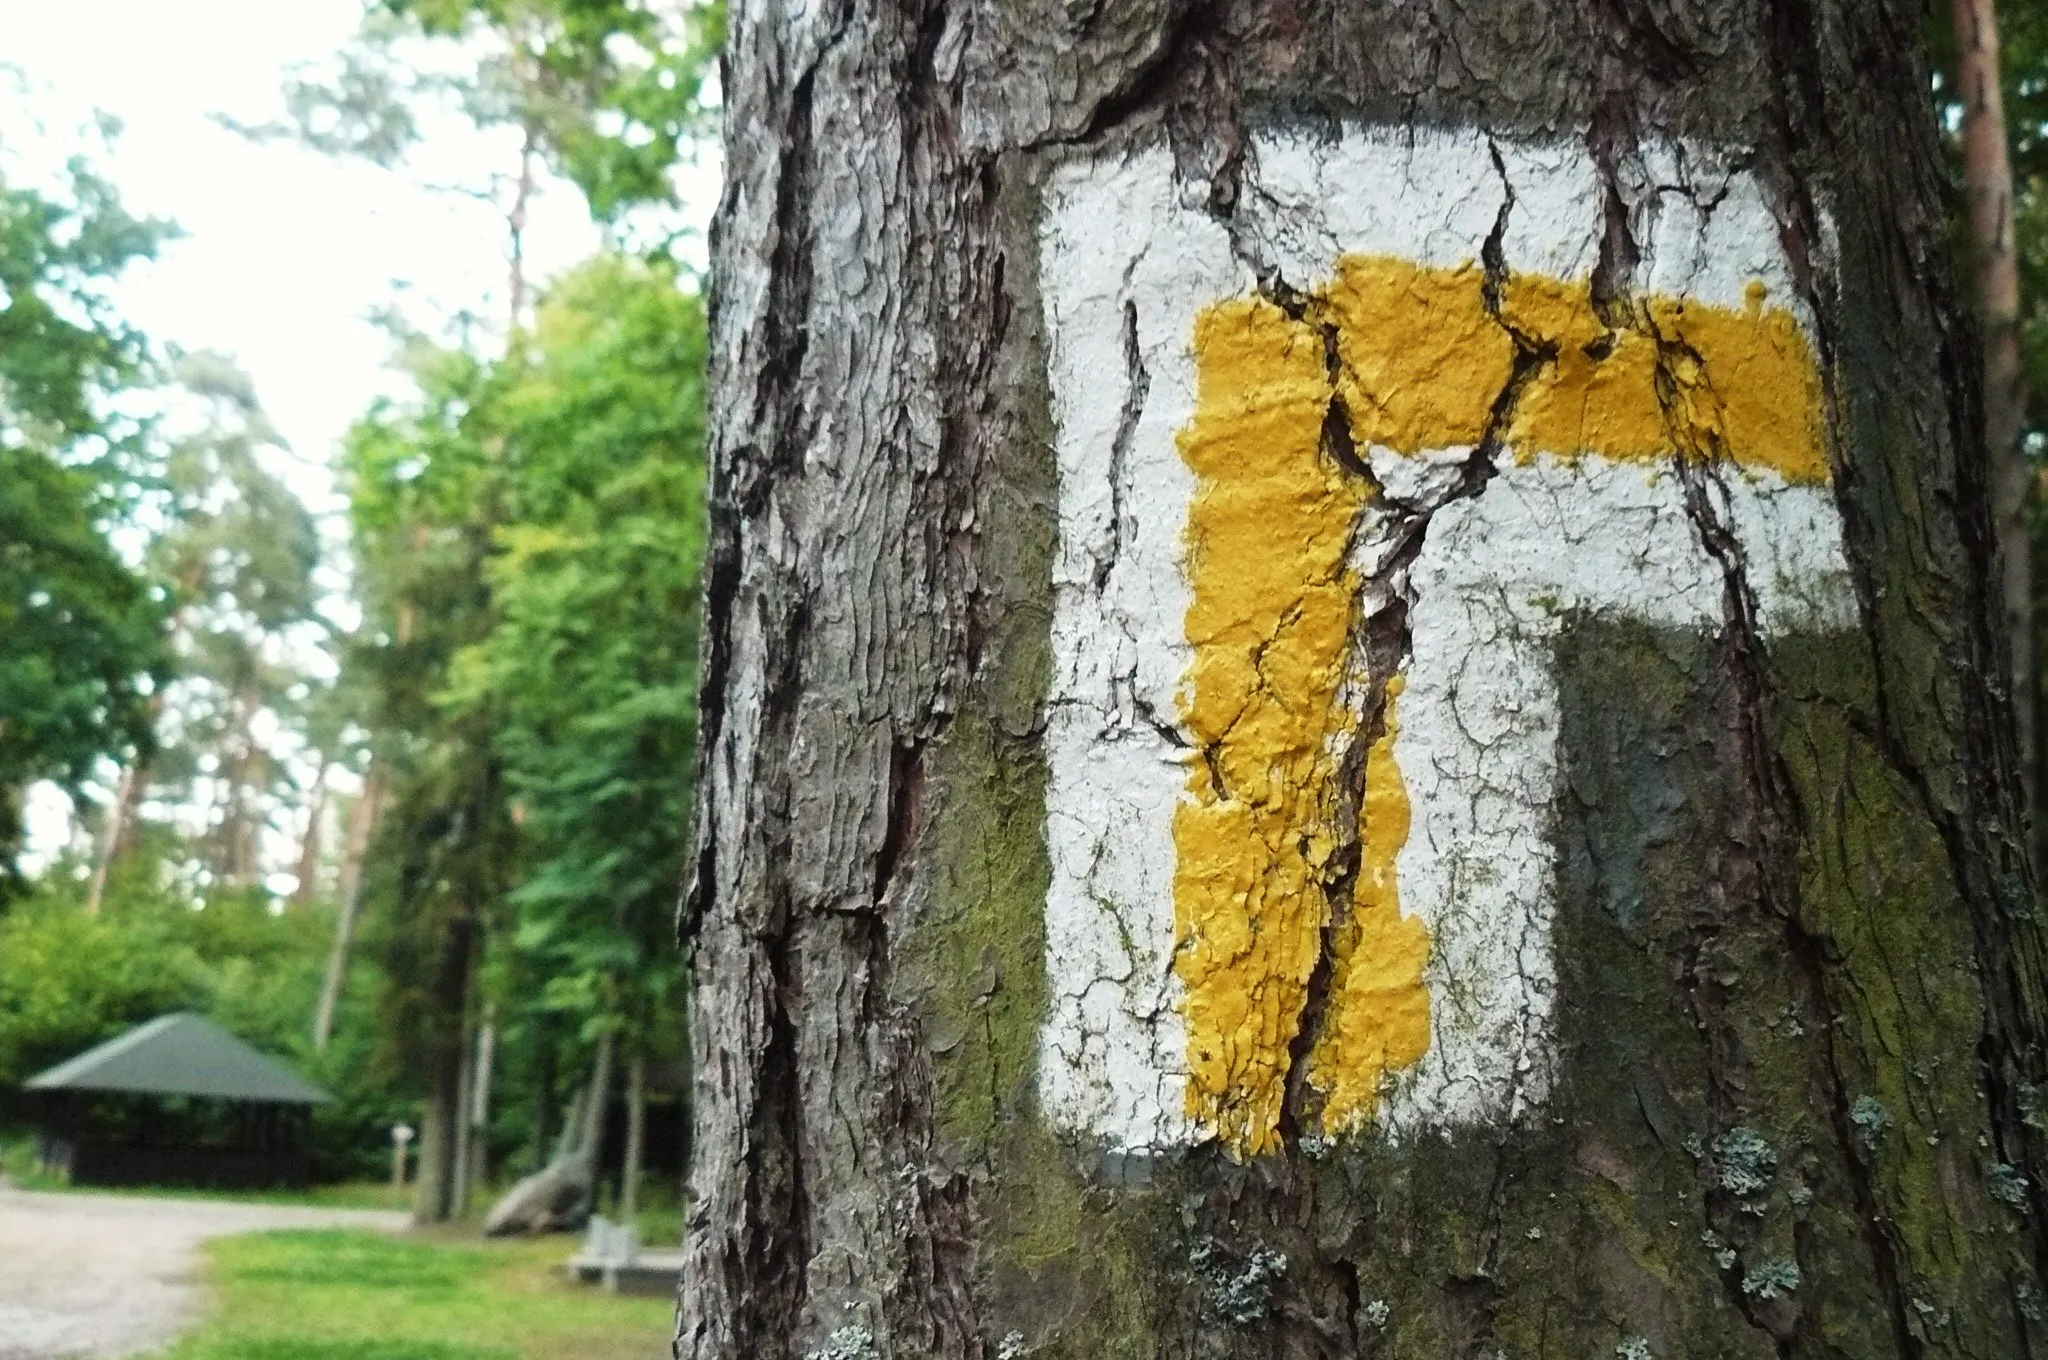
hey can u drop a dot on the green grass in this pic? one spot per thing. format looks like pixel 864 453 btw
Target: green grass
pixel 343 1295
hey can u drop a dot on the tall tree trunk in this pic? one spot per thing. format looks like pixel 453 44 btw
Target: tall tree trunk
pixel 309 844
pixel 636 1137
pixel 562 1193
pixel 1348 699
pixel 1994 251
pixel 545 1096
pixel 120 813
pixel 480 1099
pixel 465 1089
pixel 444 1124
pixel 362 823
pixel 433 1196
pixel 598 1103
pixel 244 773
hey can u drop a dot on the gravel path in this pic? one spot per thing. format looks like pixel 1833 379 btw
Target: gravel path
pixel 110 1275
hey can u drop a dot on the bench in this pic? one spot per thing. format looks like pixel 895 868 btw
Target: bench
pixel 611 1255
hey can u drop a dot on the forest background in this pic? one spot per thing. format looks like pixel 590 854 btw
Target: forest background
pixel 424 831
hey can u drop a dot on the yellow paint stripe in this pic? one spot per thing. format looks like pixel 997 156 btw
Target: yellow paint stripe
pixel 1424 360
pixel 1270 623
pixel 1272 696
pixel 1377 1019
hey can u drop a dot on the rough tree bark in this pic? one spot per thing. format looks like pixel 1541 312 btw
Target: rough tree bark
pixel 1641 474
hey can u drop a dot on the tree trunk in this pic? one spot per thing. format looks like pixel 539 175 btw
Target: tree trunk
pixel 636 1138
pixel 465 1096
pixel 480 1101
pixel 561 1194
pixel 1348 704
pixel 434 1175
pixel 120 813
pixel 590 1137
pixel 362 822
pixel 1994 251
pixel 309 845
pixel 444 1064
pixel 545 1098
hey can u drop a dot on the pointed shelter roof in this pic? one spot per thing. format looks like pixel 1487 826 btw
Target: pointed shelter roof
pixel 181 1055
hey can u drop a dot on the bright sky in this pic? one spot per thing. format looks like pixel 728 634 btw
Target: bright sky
pixel 286 253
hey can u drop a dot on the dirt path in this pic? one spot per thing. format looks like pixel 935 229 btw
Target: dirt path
pixel 109 1275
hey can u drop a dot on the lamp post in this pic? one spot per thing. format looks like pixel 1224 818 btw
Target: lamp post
pixel 401 1134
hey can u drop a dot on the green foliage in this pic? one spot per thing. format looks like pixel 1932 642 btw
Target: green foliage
pixel 83 632
pixel 529 536
pixel 68 980
pixel 62 346
pixel 237 553
pixel 589 671
pixel 423 487
pixel 609 92
pixel 610 89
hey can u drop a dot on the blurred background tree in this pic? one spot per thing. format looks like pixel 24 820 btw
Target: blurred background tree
pixel 1991 94
pixel 83 627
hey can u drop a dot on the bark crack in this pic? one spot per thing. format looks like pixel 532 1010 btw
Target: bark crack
pixel 1390 535
pixel 1137 386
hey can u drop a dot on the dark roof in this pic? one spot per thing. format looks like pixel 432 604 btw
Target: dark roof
pixel 181 1055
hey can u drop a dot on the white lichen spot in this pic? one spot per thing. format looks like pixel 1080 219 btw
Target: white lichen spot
pixel 1871 1119
pixel 2033 1110
pixel 1635 1348
pixel 2007 1186
pixel 1745 1161
pixel 1239 1292
pixel 845 1343
pixel 1773 1279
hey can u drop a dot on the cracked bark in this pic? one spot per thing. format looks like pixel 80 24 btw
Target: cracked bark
pixel 1793 895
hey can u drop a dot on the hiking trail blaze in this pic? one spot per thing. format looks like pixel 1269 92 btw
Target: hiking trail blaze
pixel 1381 468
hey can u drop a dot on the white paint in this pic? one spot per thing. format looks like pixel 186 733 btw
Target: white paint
pixel 1497 577
pixel 1478 733
pixel 1113 1050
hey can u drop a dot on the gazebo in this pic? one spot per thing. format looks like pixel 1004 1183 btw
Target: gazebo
pixel 176 1101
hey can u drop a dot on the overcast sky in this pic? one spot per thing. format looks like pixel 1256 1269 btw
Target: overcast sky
pixel 285 253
